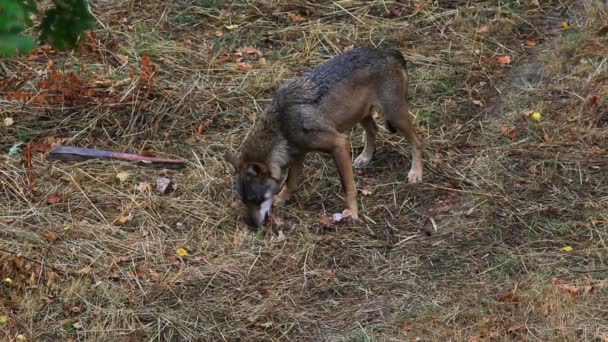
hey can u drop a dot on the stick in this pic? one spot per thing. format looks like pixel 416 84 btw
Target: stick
pixel 70 153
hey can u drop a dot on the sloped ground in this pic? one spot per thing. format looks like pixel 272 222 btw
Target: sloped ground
pixel 476 252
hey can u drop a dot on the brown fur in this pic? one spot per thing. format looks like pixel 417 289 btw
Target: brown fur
pixel 310 114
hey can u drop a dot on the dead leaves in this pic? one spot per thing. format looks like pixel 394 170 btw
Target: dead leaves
pixel 503 59
pixel 296 18
pixel 577 290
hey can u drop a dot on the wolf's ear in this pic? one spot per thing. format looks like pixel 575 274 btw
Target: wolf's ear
pixel 232 160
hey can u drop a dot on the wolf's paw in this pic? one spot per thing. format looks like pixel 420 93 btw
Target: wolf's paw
pixel 415 175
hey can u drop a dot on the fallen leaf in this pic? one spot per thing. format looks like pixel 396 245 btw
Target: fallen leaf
pixel 123 176
pixel 508 297
pixel 3 319
pixel 85 270
pixel 546 138
pixel 218 33
pixel 567 249
pixel 365 192
pixel 566 25
pixel 77 309
pixel 8 122
pixel 397 11
pixel 593 100
pixel 249 50
pixel 296 18
pixel 51 236
pixel 477 103
pixel 602 336
pixel 244 66
pixel 514 327
pixel 603 31
pixel 504 59
pixel 182 252
pixel 124 218
pixel 53 198
pixel 144 187
pixel 536 116
pixel 504 129
pixel 484 29
pixel 21 337
pixel 328 274
pixel 231 27
pixel 531 42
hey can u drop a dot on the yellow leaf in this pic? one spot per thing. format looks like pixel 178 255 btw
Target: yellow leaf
pixel 3 319
pixel 8 280
pixel 231 27
pixel 566 25
pixel 21 337
pixel 182 252
pixel 536 116
pixel 123 176
pixel 566 249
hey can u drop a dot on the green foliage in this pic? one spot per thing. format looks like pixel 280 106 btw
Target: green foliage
pixel 61 25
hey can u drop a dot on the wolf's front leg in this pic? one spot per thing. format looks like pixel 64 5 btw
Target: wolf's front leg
pixel 293 175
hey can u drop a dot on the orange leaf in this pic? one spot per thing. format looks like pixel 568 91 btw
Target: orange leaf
pixel 250 50
pixel 53 198
pixel 296 18
pixel 504 60
pixel 484 29
pixel 531 42
pixel 244 66
pixel 51 236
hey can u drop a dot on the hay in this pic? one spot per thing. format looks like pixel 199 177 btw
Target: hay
pixel 471 253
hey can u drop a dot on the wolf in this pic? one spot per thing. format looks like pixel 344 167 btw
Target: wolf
pixel 311 113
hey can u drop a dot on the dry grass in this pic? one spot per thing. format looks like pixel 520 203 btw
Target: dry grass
pixel 473 253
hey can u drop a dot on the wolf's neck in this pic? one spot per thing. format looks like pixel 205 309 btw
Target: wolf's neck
pixel 266 144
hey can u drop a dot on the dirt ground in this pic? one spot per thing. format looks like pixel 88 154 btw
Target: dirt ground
pixel 504 240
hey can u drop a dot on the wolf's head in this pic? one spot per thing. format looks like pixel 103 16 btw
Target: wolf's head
pixel 255 186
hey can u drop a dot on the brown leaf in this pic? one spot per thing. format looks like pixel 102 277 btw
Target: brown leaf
pixel 125 218
pixel 296 18
pixel 603 31
pixel 505 129
pixel 477 103
pixel 504 59
pixel 508 297
pixel 328 274
pixel 77 309
pixel 484 29
pixel 218 33
pixel 244 66
pixel 85 270
pixel 250 50
pixel 397 11
pixel 53 198
pixel 365 192
pixel 593 100
pixel 51 236
pixel 531 42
